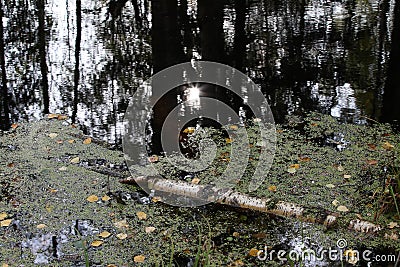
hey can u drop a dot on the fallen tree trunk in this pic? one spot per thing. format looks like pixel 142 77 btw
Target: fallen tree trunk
pixel 236 199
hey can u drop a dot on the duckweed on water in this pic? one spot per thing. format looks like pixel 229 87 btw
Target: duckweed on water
pixel 352 158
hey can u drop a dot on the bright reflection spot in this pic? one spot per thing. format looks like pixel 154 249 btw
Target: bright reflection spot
pixel 193 94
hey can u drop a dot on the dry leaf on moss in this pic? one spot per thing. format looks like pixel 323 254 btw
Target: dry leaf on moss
pixel 41 226
pixel 253 252
pixel 3 216
pixel 342 208
pixel 139 258
pixel 96 243
pixel 105 198
pixel 92 198
pixel 87 141
pixel 75 160
pixel 121 236
pixel 53 135
pixel 141 215
pixel 150 229
pixel 104 234
pixel 6 223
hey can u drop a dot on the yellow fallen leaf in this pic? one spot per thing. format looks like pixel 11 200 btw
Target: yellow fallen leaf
pixel 304 159
pixel 52 116
pixel 236 234
pixel 4 265
pixel 14 125
pixel 75 160
pixel 156 199
pixel 96 243
pixel 41 226
pixel 335 202
pixel 195 180
pixel 388 146
pixel 105 198
pixel 392 225
pixel 291 170
pixel 189 130
pixel 346 176
pixel 149 229
pixel 272 188
pixel 342 208
pixel 92 198
pixel 139 258
pixel 62 168
pixel 53 135
pixel 228 140
pixel 71 141
pixel 6 223
pixel 87 141
pixel 121 224
pixel 3 216
pixel 233 127
pixel 104 234
pixel 141 215
pixel 340 168
pixel 121 236
pixel 253 252
pixel 330 186
pixel 49 208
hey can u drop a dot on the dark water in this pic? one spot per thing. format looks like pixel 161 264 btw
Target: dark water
pixel 86 58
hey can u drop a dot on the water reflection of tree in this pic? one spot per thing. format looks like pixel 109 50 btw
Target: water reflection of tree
pixel 4 109
pixel 391 107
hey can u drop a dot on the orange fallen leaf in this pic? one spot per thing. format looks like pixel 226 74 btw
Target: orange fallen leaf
pixel 141 215
pixel 253 252
pixel 92 198
pixel 71 141
pixel 14 125
pixel 52 190
pixel 233 127
pixel 62 117
pixel 372 146
pixel 104 234
pixel 6 223
pixel 153 158
pixel 121 236
pixel 189 130
pixel 272 188
pixel 139 258
pixel 96 243
pixel 304 159
pixel 52 116
pixel 228 140
pixel 372 162
pixel 87 141
pixel 11 165
pixel 296 166
pixel 235 234
pixel 149 229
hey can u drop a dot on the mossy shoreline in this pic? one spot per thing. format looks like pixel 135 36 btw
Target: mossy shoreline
pixel 44 182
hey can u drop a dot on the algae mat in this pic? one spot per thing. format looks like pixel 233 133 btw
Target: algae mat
pixel 62 205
